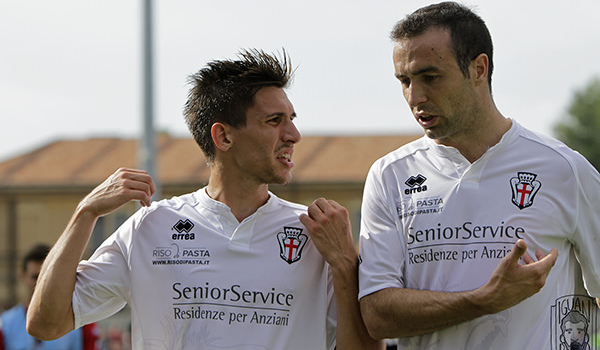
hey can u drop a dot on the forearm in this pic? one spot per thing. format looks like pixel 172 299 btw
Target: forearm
pixel 50 313
pixel 351 330
pixel 400 312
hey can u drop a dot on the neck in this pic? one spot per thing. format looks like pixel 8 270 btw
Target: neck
pixel 480 136
pixel 242 198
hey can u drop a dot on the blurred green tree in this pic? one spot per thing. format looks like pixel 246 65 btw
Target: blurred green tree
pixel 580 128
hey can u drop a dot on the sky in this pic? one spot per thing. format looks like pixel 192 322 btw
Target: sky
pixel 71 69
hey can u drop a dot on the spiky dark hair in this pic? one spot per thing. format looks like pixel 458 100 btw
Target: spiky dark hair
pixel 224 90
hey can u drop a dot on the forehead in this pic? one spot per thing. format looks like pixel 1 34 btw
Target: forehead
pixel 271 100
pixel 431 49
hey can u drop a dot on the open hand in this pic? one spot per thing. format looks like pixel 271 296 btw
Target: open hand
pixel 512 282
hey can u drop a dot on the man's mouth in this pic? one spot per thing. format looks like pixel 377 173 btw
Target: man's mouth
pixel 285 156
pixel 286 159
pixel 426 120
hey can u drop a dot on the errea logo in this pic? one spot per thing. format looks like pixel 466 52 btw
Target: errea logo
pixel 183 228
pixel 416 184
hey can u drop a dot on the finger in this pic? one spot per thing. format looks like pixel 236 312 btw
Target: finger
pixel 127 173
pixel 139 180
pixel 539 254
pixel 313 211
pixel 322 204
pixel 309 222
pixel 527 259
pixel 145 198
pixel 305 219
pixel 330 207
pixel 131 170
pixel 339 210
pixel 549 260
pixel 135 175
pixel 134 190
pixel 152 188
pixel 147 187
pixel 318 209
pixel 312 227
pixel 333 204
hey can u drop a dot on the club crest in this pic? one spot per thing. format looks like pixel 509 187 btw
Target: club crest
pixel 524 188
pixel 291 243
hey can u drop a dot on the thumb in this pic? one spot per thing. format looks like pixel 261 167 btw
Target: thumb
pixel 519 249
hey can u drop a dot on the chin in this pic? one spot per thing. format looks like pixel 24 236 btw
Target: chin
pixel 282 180
pixel 431 134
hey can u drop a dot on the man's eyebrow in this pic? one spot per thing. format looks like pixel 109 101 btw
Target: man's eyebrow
pixel 279 114
pixel 428 69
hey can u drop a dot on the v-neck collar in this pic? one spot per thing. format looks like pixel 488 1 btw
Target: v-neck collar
pixel 238 233
pixel 450 161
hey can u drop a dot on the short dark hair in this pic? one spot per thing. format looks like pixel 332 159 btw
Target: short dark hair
pixel 225 89
pixel 469 34
pixel 37 253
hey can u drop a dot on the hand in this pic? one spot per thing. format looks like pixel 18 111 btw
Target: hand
pixel 328 224
pixel 511 282
pixel 123 186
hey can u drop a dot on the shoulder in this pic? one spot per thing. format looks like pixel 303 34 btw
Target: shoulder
pixel 551 149
pixel 176 202
pixel 285 205
pixel 166 206
pixel 398 159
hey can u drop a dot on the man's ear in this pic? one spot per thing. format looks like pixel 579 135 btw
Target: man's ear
pixel 221 136
pixel 481 65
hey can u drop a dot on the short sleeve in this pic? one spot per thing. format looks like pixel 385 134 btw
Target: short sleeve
pixel 379 237
pixel 103 283
pixel 586 238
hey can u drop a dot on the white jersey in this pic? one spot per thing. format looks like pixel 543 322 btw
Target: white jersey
pixel 433 221
pixel 195 278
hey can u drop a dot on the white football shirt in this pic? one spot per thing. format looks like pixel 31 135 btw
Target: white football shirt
pixel 195 278
pixel 431 220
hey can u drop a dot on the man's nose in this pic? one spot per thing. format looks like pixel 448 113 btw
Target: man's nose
pixel 291 133
pixel 415 95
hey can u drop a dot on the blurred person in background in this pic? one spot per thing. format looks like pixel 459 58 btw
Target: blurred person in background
pixel 13 333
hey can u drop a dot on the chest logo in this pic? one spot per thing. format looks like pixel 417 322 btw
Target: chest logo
pixel 416 184
pixel 183 229
pixel 524 188
pixel 291 242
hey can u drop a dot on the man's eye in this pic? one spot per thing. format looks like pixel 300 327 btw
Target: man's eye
pixel 430 77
